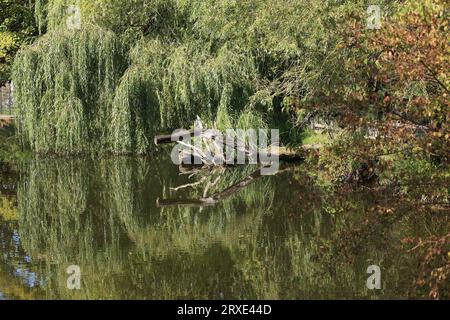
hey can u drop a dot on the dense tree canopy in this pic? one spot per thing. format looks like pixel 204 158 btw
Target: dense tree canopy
pixel 17 27
pixel 154 65
pixel 128 70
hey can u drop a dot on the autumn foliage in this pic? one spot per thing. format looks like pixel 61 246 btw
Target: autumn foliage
pixel 413 71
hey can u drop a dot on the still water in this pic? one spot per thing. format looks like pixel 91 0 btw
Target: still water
pixel 134 237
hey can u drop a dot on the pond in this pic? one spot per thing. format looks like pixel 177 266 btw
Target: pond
pixel 133 236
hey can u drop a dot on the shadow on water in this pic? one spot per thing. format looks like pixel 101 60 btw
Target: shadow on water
pixel 279 238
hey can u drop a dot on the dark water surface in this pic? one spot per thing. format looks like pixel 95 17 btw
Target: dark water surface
pixel 280 237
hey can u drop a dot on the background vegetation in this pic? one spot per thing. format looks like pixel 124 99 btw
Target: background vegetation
pixel 146 66
pixel 17 28
pixel 140 67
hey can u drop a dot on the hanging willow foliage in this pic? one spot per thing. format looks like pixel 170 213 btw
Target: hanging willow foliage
pixel 92 89
pixel 78 92
pixel 50 14
pixel 65 85
pixel 168 87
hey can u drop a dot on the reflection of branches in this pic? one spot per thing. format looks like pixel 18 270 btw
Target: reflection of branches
pixel 189 185
pixel 216 198
pixel 209 185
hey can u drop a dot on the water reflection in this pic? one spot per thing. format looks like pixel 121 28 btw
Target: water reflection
pixel 274 239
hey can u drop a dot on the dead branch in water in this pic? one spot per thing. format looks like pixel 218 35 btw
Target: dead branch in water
pixel 167 139
pixel 211 134
pixel 214 157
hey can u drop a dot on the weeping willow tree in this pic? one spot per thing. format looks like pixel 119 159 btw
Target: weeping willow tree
pixel 175 60
pixel 92 90
pixel 189 62
pixel 65 87
pixel 75 95
pixel 167 87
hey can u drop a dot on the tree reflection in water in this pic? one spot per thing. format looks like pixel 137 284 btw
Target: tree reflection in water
pixel 279 238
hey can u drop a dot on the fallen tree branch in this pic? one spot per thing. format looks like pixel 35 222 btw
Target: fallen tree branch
pixel 435 76
pixel 166 139
pixel 209 134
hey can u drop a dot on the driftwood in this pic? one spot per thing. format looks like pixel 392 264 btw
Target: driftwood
pixel 167 139
pixel 214 157
pixel 308 119
pixel 199 133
